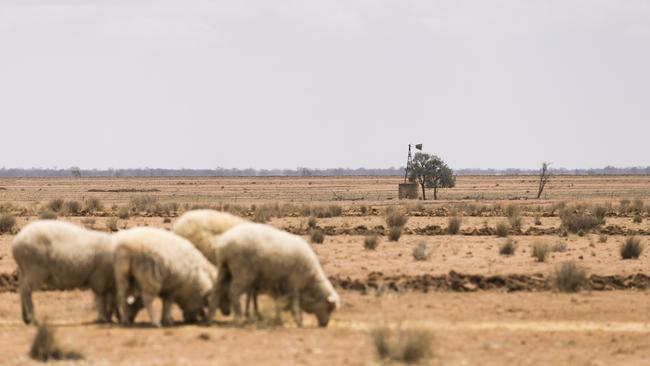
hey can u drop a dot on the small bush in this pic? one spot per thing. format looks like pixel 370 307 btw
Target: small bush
pixel 421 252
pixel 7 223
pixel 88 222
pixel 395 217
pixel 47 214
pixel 537 221
pixel 600 212
pixel 631 248
pixel 55 205
pixel 312 222
pixel 370 242
pixel 540 251
pixel 394 233
pixel 569 277
pixel 261 216
pixel 45 346
pixel 453 225
pixel 402 345
pixel 93 204
pixel 576 222
pixel 72 207
pixel 637 206
pixel 123 213
pixel 167 220
pixel 602 238
pixel 508 248
pixel 317 236
pixel 637 219
pixel 111 224
pixel 559 247
pixel 502 229
pixel 145 203
pixel 515 222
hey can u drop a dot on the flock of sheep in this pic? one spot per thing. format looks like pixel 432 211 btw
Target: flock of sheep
pixel 209 261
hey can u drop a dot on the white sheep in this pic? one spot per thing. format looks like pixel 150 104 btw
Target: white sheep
pixel 64 256
pixel 160 263
pixel 263 259
pixel 201 226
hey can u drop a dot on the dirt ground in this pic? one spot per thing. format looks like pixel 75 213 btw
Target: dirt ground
pixel 495 327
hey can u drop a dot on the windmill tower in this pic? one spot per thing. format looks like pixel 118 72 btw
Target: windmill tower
pixel 408 190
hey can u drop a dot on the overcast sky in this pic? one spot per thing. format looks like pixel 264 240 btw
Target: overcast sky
pixel 321 84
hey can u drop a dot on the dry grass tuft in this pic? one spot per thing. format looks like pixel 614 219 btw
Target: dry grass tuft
pixel 559 247
pixel 394 233
pixel 402 345
pixel 395 217
pixel 72 207
pixel 508 248
pixel 312 222
pixel 569 277
pixel 453 225
pixel 502 229
pixel 55 205
pixel 47 214
pixel 370 242
pixel 45 346
pixel 631 248
pixel 7 223
pixel 421 251
pixel 540 250
pixel 88 222
pixel 637 219
pixel 111 224
pixel 93 204
pixel 123 213
pixel 317 236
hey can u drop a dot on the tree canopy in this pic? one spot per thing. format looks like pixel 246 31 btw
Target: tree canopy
pixel 431 172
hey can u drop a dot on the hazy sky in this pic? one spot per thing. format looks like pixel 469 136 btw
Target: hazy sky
pixel 281 84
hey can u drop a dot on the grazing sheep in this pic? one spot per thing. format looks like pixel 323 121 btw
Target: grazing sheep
pixel 160 263
pixel 261 259
pixel 64 256
pixel 201 226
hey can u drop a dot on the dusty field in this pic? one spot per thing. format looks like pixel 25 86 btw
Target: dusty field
pixel 524 324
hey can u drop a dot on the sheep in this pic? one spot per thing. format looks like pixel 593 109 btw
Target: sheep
pixel 64 256
pixel 161 263
pixel 260 258
pixel 200 227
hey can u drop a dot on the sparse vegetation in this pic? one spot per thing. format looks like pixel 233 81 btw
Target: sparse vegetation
pixel 47 214
pixel 559 247
pixel 637 219
pixel 569 277
pixel 537 221
pixel 602 238
pixel 502 229
pixel 508 247
pixel 167 220
pixel 317 236
pixel 7 223
pixel 93 204
pixel 145 203
pixel 540 250
pixel 637 206
pixel 421 251
pixel 402 345
pixel 55 205
pixel 624 206
pixel 370 242
pixel 395 217
pixel 72 207
pixel 123 213
pixel 394 233
pixel 453 225
pixel 631 248
pixel 111 224
pixel 312 222
pixel 576 222
pixel 88 222
pixel 45 347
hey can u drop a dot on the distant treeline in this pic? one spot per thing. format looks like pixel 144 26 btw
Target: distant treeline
pixel 298 172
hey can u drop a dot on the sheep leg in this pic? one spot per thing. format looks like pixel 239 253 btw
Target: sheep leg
pixel 166 319
pixel 147 300
pixel 27 304
pixel 248 303
pixel 255 308
pixel 296 312
pixel 278 313
pixel 237 288
pixel 102 303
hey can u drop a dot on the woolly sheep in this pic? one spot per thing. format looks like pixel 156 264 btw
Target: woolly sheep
pixel 64 256
pixel 160 263
pixel 260 258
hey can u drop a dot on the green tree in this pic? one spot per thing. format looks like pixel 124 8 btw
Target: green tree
pixel 431 172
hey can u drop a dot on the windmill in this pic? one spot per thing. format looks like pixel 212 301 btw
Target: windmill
pixel 409 159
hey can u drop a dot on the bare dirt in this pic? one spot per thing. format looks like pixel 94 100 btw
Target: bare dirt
pixel 481 307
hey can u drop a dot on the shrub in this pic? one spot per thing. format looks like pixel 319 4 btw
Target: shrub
pixel 502 229
pixel 508 247
pixel 55 204
pixel 623 206
pixel 637 219
pixel 167 220
pixel 364 210
pixel 394 233
pixel 317 236
pixel 261 216
pixel 93 204
pixel 45 346
pixel 453 225
pixel 402 345
pixel 145 204
pixel 7 223
pixel 420 252
pixel 631 248
pixel 312 222
pixel 395 217
pixel 72 207
pixel 370 242
pixel 600 212
pixel 47 214
pixel 569 277
pixel 540 251
pixel 559 246
pixel 123 213
pixel 637 206
pixel 576 222
pixel 602 238
pixel 537 221
pixel 111 224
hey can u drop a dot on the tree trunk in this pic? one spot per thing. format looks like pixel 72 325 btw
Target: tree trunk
pixel 424 197
pixel 435 193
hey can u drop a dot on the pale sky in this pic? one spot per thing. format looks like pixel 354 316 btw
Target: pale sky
pixel 323 84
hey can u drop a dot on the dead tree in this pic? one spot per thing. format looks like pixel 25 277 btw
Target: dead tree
pixel 544 177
